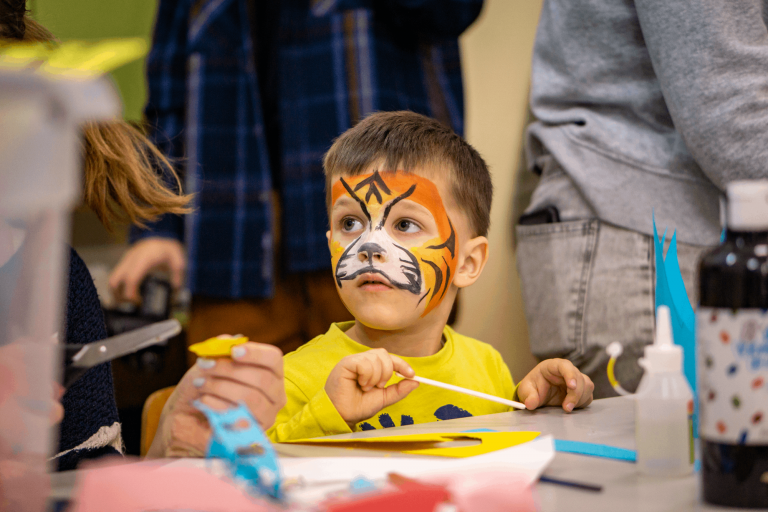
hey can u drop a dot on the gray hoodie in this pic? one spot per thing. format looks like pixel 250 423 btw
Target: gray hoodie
pixel 652 105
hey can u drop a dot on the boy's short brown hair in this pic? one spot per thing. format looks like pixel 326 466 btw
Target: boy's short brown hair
pixel 406 140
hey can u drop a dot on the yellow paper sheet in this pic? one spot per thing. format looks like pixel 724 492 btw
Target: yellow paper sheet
pixel 73 58
pixel 428 444
pixel 218 346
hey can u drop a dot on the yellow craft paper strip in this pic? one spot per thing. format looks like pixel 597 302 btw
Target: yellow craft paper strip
pixel 217 347
pixel 73 58
pixel 424 444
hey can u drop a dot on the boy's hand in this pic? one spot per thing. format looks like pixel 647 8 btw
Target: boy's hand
pixel 556 382
pixel 356 385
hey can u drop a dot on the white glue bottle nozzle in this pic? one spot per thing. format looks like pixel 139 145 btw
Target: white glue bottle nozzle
pixel 663 355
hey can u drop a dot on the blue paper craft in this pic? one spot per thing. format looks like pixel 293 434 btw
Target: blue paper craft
pixel 670 292
pixel 238 440
pixel 595 450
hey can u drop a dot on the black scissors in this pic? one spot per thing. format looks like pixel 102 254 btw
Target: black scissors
pixel 80 358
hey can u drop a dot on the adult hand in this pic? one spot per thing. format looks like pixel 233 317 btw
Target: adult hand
pixel 556 382
pixel 357 385
pixel 254 375
pixel 143 257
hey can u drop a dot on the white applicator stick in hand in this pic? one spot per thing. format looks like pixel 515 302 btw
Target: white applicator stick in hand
pixel 430 382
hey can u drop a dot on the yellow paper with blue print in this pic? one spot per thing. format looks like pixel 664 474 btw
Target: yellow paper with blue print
pixel 73 59
pixel 429 444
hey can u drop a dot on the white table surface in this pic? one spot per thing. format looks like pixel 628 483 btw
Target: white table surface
pixel 609 421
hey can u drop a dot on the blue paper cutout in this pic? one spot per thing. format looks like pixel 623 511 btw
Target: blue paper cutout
pixel 595 450
pixel 670 292
pixel 238 439
pixel 478 430
pixel 361 485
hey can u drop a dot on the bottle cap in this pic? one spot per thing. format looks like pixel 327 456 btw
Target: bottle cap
pixel 663 355
pixel 748 205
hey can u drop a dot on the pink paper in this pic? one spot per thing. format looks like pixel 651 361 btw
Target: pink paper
pixel 489 491
pixel 143 486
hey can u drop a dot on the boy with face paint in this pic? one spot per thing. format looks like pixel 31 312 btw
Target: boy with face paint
pixel 409 206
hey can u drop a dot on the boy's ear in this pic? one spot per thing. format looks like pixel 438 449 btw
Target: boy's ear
pixel 475 257
pixel 328 235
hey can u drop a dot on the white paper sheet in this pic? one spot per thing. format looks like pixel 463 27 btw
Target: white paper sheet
pixel 529 459
pixel 321 475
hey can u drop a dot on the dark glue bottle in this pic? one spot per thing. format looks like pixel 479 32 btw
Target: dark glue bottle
pixel 732 341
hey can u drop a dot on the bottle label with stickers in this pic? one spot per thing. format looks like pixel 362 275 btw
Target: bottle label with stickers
pixel 733 375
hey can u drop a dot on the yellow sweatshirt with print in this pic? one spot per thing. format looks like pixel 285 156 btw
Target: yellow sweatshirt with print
pixel 462 361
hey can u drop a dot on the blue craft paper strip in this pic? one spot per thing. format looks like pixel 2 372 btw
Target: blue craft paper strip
pixel 595 450
pixel 478 430
pixel 670 292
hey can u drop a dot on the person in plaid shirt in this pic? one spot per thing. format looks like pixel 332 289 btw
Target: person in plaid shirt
pixel 246 96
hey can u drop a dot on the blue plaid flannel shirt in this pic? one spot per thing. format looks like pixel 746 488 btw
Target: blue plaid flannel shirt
pixel 338 60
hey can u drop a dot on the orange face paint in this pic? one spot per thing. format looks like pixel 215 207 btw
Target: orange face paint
pixel 427 269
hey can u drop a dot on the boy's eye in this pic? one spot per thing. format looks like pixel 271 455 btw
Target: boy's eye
pixel 350 224
pixel 407 226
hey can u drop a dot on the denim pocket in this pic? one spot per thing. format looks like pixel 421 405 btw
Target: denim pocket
pixel 554 263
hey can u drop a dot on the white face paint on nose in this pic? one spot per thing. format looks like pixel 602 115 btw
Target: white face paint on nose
pixel 377 252
pixel 373 249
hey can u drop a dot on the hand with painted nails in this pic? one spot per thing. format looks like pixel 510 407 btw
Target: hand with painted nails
pixel 556 382
pixel 357 385
pixel 253 375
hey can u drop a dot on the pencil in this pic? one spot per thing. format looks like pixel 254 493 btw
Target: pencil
pixel 570 483
pixel 430 382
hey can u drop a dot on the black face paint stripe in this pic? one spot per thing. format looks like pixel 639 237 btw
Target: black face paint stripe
pixel 374 182
pixel 438 277
pixel 359 201
pixel 340 275
pixel 422 298
pixel 393 203
pixel 412 285
pixel 372 190
pixel 447 278
pixel 449 244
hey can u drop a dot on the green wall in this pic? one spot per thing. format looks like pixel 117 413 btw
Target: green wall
pixel 101 19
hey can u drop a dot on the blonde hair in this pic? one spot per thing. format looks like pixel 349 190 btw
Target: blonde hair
pixel 123 170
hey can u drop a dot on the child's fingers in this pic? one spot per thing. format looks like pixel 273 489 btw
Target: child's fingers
pixel 401 366
pixel 561 372
pixel 534 390
pixel 387 368
pixel 551 370
pixel 364 368
pixel 586 397
pixel 397 392
pixel 573 396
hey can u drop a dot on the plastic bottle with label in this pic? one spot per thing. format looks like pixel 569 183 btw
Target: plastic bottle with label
pixel 732 341
pixel 664 407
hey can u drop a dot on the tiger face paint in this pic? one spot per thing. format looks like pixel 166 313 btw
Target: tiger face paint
pixel 390 234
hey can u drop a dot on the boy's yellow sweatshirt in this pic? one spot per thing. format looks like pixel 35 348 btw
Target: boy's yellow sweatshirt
pixel 462 361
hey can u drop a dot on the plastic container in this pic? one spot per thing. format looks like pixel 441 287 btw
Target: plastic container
pixel 664 407
pixel 39 183
pixel 732 340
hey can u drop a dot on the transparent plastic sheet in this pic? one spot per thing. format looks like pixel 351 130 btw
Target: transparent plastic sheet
pixel 39 183
pixel 31 289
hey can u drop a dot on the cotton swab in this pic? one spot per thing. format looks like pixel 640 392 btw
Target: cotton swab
pixel 430 382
